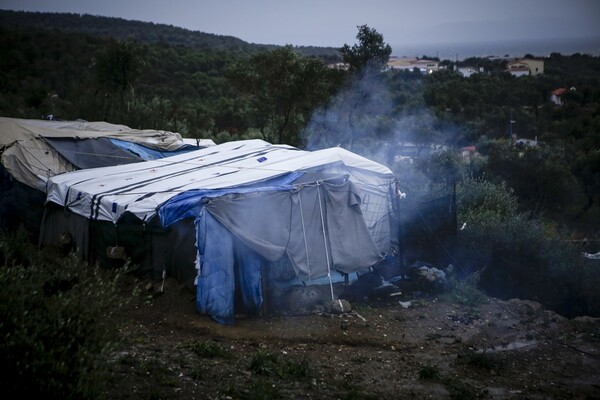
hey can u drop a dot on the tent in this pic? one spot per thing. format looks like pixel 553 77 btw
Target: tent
pixel 233 221
pixel 34 150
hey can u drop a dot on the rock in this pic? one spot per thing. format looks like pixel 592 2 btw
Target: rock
pixel 405 304
pixel 585 320
pixel 337 307
pixel 526 307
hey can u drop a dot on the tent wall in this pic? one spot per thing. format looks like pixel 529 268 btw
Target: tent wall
pixel 173 250
pixel 33 161
pixel 20 206
pixel 59 222
pixel 318 229
pixel 150 248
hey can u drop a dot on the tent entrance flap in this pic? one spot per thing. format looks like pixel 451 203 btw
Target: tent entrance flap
pixel 227 269
pixel 273 224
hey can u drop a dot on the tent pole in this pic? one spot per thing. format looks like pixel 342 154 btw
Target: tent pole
pixel 263 286
pixel 325 241
pixel 304 232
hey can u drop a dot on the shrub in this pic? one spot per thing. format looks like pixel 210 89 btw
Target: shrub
pixel 56 330
pixel 521 256
pixel 466 291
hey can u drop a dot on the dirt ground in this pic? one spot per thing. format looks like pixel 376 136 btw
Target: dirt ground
pixel 423 348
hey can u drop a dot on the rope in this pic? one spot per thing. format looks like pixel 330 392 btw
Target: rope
pixel 47 170
pixel 304 233
pixel 325 241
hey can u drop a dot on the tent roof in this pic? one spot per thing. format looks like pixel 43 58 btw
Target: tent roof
pixel 140 188
pixel 14 129
pixel 33 150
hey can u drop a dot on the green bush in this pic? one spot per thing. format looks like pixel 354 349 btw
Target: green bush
pixel 466 291
pixel 521 256
pixel 56 331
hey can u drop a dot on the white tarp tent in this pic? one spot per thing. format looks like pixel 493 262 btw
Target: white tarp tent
pixel 322 211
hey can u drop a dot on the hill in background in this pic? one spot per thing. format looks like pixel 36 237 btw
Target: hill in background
pixel 145 32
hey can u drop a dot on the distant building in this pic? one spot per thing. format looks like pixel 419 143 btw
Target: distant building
pixel 517 68
pixel 556 96
pixel 339 65
pixel 536 67
pixel 467 71
pixel 525 66
pixel 410 63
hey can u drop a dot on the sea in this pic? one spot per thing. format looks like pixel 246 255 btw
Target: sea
pixel 516 48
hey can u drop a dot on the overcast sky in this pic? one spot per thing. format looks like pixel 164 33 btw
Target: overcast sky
pixel 334 22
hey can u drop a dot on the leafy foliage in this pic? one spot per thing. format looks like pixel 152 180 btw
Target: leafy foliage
pixel 57 332
pixel 371 52
pixel 519 256
pixel 283 89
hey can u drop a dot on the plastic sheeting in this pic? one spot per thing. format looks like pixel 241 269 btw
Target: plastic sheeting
pixel 91 153
pixel 146 153
pixel 227 267
pixel 140 188
pixel 319 227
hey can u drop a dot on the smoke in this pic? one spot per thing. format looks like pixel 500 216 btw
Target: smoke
pixel 366 119
pixel 351 116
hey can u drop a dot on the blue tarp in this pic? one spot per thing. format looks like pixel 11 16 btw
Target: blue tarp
pixel 146 153
pixel 215 288
pixel 216 285
pixel 240 229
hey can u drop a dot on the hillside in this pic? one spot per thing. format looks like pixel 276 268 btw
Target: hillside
pixel 144 32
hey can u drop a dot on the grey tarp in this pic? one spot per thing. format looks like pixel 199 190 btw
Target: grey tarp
pixel 274 223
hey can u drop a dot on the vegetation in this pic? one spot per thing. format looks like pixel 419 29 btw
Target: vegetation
pixel 521 256
pixel 57 328
pixel 272 364
pixel 209 350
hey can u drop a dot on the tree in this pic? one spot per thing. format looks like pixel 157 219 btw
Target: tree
pixel 539 175
pixel 443 167
pixel 370 52
pixel 117 66
pixel 283 89
pixel 358 114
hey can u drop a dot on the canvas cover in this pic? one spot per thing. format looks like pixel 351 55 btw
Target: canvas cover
pixel 34 150
pixel 15 129
pixel 252 204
